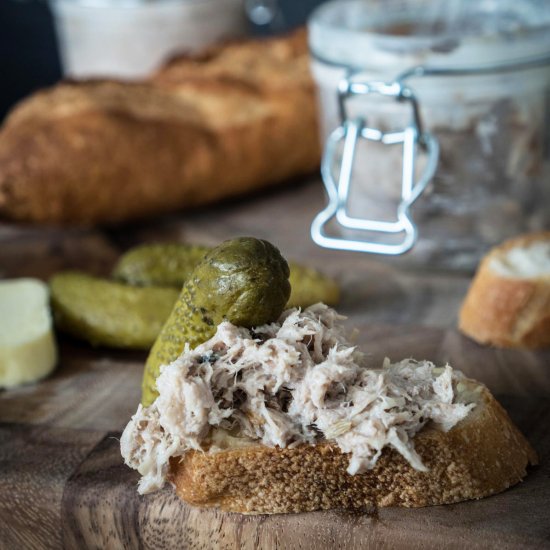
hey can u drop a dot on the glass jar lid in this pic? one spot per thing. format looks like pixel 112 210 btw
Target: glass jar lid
pixel 395 35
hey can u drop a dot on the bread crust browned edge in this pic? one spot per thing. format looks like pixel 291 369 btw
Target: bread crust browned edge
pixel 482 455
pixel 506 311
pixel 297 36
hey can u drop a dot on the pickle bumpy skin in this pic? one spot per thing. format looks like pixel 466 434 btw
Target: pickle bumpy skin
pixel 108 313
pixel 171 264
pixel 244 281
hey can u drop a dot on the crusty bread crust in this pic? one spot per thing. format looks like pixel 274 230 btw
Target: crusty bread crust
pixel 237 118
pixel 482 455
pixel 507 311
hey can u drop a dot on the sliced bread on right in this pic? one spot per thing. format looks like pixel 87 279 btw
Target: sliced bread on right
pixel 508 303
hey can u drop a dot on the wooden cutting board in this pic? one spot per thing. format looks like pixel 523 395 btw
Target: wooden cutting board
pixel 63 483
pixel 62 480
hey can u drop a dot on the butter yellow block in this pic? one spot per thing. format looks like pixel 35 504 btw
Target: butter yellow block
pixel 27 345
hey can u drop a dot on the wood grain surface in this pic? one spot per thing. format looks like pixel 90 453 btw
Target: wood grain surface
pixel 62 480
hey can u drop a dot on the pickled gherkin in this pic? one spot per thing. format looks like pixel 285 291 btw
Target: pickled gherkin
pixel 244 281
pixel 309 286
pixel 161 264
pixel 171 265
pixel 109 313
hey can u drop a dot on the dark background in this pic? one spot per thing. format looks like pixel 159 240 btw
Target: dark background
pixel 28 52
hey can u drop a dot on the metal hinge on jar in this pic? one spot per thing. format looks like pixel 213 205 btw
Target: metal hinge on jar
pixel 352 130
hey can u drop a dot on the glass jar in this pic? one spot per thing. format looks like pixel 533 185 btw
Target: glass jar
pixel 480 72
pixel 131 38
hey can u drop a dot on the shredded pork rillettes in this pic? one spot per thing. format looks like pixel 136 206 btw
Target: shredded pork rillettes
pixel 296 381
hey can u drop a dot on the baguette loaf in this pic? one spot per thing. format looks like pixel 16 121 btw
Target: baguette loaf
pixel 508 303
pixel 237 118
pixel 482 455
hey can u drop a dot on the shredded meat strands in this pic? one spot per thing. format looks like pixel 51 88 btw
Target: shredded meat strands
pixel 295 381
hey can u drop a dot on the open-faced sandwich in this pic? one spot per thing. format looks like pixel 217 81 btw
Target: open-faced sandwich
pixel 288 417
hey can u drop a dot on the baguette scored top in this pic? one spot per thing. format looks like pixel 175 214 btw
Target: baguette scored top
pixel 237 118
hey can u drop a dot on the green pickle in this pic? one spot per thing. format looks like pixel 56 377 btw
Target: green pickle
pixel 171 265
pixel 108 313
pixel 244 281
pixel 159 264
pixel 310 287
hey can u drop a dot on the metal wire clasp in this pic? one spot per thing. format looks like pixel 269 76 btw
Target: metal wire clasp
pixel 350 131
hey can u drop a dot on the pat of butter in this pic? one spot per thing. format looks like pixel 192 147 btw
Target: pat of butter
pixel 27 345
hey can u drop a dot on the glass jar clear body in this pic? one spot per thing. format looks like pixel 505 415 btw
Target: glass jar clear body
pixel 491 180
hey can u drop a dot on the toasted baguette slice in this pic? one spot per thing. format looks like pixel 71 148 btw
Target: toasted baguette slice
pixel 508 303
pixel 482 455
